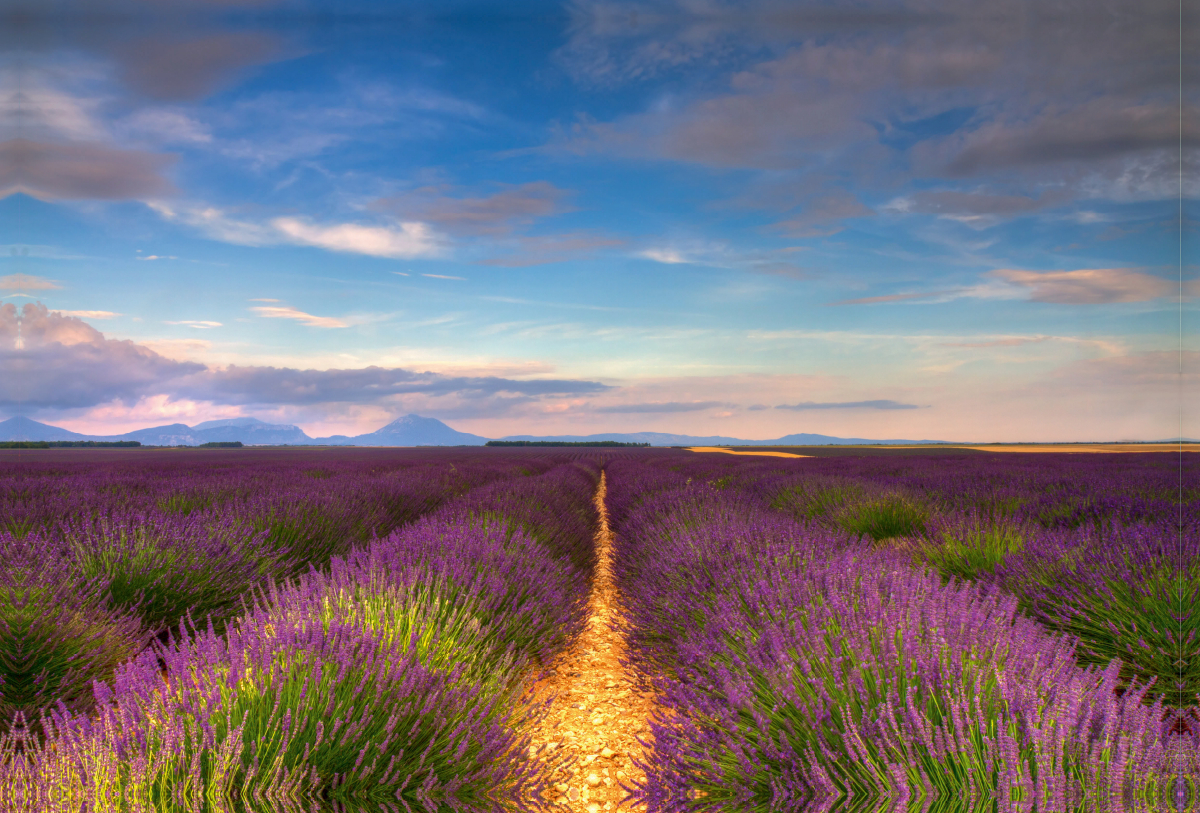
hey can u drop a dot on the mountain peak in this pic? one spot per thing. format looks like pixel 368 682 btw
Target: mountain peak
pixel 417 430
pixel 229 422
pixel 411 420
pixel 22 428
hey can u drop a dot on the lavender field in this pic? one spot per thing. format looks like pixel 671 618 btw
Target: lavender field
pixel 360 629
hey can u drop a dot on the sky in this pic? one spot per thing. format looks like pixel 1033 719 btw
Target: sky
pixel 926 220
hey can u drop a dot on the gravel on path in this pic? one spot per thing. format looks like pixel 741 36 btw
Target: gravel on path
pixel 597 714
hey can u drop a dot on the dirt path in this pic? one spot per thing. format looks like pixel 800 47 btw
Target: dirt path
pixel 598 714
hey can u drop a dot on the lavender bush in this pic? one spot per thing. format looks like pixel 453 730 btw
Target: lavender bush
pixel 851 677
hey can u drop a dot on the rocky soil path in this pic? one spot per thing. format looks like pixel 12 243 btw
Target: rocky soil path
pixel 593 724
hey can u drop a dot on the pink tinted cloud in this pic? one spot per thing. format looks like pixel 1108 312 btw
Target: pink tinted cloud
pixel 1089 286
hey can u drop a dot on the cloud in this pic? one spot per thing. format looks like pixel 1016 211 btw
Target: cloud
pixel 667 407
pixel 270 385
pixel 410 240
pixel 776 262
pixel 52 361
pixel 90 314
pixel 196 323
pixel 980 210
pixel 543 249
pixel 820 217
pixel 81 171
pixel 443 276
pixel 873 300
pixel 28 282
pixel 882 404
pixel 1089 286
pixel 1152 376
pixel 880 94
pixel 175 69
pixel 499 214
pixel 1093 131
pixel 669 256
pixel 49 359
pixel 1015 341
pixel 166 126
pixel 287 312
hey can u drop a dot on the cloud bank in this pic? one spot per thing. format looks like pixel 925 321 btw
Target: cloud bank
pixel 54 361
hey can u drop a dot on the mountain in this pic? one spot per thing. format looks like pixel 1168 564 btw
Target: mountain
pixel 411 430
pixel 27 429
pixel 251 431
pixel 175 434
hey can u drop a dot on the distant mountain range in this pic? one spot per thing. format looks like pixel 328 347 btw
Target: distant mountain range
pixel 411 430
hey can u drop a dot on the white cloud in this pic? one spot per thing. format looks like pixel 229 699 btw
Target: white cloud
pixel 407 240
pixel 670 256
pixel 196 323
pixel 442 276
pixel 410 240
pixel 91 314
pixel 287 312
pixel 215 223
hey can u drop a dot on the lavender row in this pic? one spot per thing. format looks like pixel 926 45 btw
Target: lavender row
pixel 394 676
pixel 801 668
pixel 1123 583
pixel 163 534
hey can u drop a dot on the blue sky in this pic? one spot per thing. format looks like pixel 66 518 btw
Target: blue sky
pixel 746 219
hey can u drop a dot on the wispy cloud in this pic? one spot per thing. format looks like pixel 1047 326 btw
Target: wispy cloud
pixel 28 282
pixel 777 262
pixel 1090 286
pixel 1085 286
pixel 873 300
pixel 541 249
pixel 497 214
pixel 512 300
pixel 878 404
pixel 287 312
pixel 91 314
pixel 402 241
pixel 200 324
pixel 670 256
pixel 407 241
pixel 442 276
pixel 1015 341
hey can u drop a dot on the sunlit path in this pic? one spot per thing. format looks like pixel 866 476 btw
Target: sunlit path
pixel 597 714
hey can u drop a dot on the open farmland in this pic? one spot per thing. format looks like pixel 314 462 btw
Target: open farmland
pixel 593 629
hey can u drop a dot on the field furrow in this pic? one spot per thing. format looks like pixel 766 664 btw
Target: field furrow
pixel 591 734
